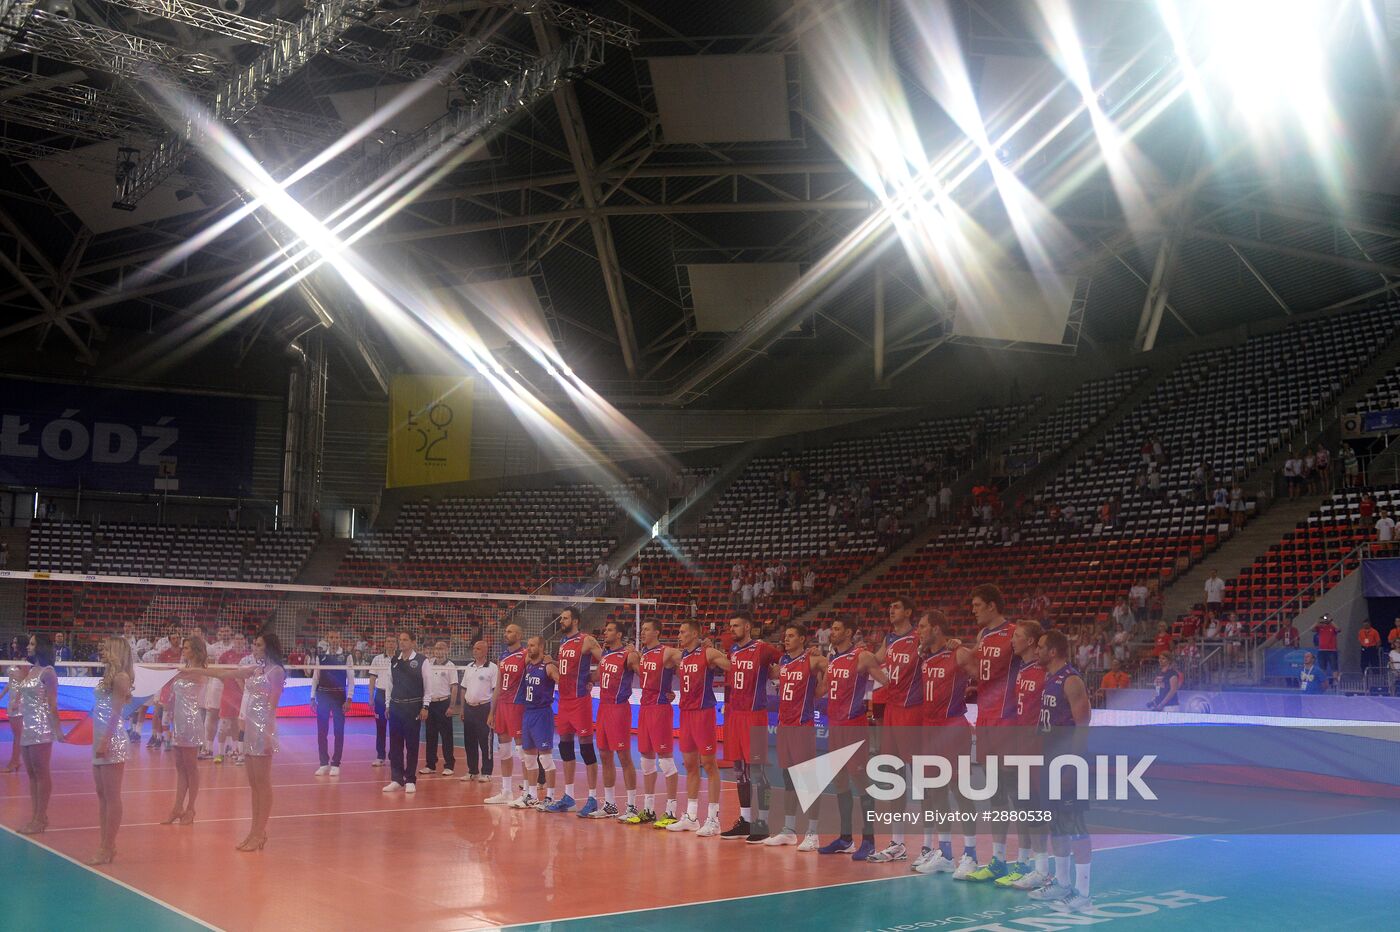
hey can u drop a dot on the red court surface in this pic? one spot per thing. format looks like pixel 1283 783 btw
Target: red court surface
pixel 342 854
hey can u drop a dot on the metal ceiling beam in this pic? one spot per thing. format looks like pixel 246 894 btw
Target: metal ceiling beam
pixel 1312 255
pixel 13 16
pixel 51 315
pixel 581 154
pixel 1259 277
pixel 1171 309
pixel 208 18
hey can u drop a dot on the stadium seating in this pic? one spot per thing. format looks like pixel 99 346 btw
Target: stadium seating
pixel 1232 407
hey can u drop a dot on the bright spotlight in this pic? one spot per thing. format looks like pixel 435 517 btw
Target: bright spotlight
pixel 1269 53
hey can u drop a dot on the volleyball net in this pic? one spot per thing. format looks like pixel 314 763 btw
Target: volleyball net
pixel 156 614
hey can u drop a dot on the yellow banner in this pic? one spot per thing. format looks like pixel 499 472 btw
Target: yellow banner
pixel 430 430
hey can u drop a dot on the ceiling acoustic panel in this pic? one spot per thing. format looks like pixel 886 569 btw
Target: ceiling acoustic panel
pixel 725 297
pixel 721 98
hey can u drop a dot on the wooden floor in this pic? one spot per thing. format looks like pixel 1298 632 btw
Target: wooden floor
pixel 341 851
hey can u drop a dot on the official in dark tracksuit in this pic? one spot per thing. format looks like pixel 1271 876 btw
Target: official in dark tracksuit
pixel 331 692
pixel 408 706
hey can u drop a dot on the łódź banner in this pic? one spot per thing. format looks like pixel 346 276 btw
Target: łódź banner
pixel 430 430
pixel 54 435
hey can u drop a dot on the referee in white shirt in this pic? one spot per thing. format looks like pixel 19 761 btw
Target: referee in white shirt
pixel 380 681
pixel 442 691
pixel 478 686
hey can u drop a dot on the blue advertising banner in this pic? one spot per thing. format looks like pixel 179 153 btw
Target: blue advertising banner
pixel 1380 579
pixel 1283 661
pixel 1380 421
pixel 124 440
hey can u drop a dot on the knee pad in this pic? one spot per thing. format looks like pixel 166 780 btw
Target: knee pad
pixel 648 765
pixel 667 766
pixel 741 772
pixel 760 778
pixel 566 749
pixel 546 762
pixel 587 752
pixel 507 748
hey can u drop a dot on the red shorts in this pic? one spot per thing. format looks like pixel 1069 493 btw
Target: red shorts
pixel 654 735
pixel 844 733
pixel 614 726
pixel 947 737
pixel 231 700
pixel 698 731
pixel 902 730
pixel 796 744
pixel 575 717
pixel 510 719
pixel 993 738
pixel 746 735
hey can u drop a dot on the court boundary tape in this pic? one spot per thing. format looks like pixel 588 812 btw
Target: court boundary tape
pixel 289 815
pixel 906 875
pixel 110 879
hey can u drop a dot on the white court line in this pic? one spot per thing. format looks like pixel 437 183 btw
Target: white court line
pixel 292 815
pixel 243 787
pixel 750 896
pixel 110 879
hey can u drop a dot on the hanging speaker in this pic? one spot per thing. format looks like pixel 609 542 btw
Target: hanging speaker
pixel 1351 426
pixel 62 8
pixel 232 6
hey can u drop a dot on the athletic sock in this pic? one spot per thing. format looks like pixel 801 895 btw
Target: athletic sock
pixel 671 805
pixel 812 826
pixel 928 841
pixel 868 838
pixel 608 795
pixel 945 848
pixel 1025 855
pixel 897 838
pixel 790 823
pixel 714 812
pixel 649 802
pixel 692 809
pixel 1062 872
pixel 999 850
pixel 1042 863
pixel 1081 879
pixel 745 813
pixel 970 846
pixel 845 803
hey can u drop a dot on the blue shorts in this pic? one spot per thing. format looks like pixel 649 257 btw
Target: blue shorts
pixel 537 731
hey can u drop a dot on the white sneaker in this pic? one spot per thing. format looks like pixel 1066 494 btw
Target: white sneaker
pixel 686 823
pixel 1052 892
pixel 784 837
pixel 626 814
pixel 967 866
pixel 1076 902
pixel 393 787
pixel 425 770
pixel 710 829
pixel 322 770
pixel 378 762
pixel 936 864
pixel 1032 881
pixel 892 852
pixel 446 772
pixel 411 788
pixel 922 859
pixel 500 799
pixel 810 843
pixel 521 802
pixel 483 778
pixel 468 778
pixel 334 771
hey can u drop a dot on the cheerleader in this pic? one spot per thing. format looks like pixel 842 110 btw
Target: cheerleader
pixel 111 745
pixel 38 707
pixel 262 690
pixel 187 727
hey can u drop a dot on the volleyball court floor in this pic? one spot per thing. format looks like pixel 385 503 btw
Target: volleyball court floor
pixel 343 855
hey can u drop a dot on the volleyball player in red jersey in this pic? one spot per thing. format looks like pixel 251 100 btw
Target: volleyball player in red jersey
pixel 510 712
pixel 696 663
pixel 745 718
pixel 655 723
pixel 615 673
pixel 1021 707
pixel 903 704
pixel 800 674
pixel 848 675
pixel 576 655
pixel 944 667
pixel 995 657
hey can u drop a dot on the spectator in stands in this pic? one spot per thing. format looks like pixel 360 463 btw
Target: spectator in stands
pixel 1162 643
pixel 1311 678
pixel 1370 640
pixel 736 583
pixel 746 594
pixel 1366 508
pixel 61 652
pixel 1394 637
pixel 1220 502
pixel 1123 614
pixel 1116 677
pixel 1292 473
pixel 824 638
pixel 1288 635
pixel 1351 467
pixel 1385 532
pixel 1325 640
pixel 1324 467
pixel 1154 482
pixel 809 581
pixel 613 580
pixel 1167 683
pixel 636 582
pixel 1120 644
pixel 1237 506
pixel 795 584
pixel 1310 470
pixel 693 610
pixel 4 555
pixel 1137 601
pixel 1394 660
pixel 766 588
pixel 1215 593
pixel 602 572
pixel 945 502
